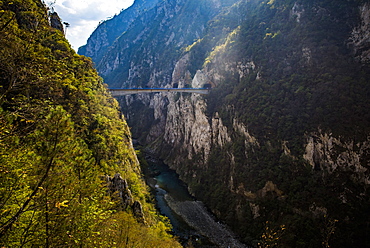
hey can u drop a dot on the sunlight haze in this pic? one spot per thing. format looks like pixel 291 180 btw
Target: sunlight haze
pixel 84 16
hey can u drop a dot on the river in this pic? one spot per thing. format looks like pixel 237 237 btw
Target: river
pixel 191 220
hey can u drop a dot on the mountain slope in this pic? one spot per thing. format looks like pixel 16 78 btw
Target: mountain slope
pixel 144 54
pixel 281 144
pixel 108 31
pixel 61 134
pixel 283 136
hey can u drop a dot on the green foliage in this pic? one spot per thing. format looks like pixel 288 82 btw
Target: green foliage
pixel 305 79
pixel 123 231
pixel 60 131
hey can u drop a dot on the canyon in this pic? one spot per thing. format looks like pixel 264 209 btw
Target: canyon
pixel 282 141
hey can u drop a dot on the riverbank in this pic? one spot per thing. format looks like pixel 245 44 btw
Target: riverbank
pixel 191 220
pixel 197 216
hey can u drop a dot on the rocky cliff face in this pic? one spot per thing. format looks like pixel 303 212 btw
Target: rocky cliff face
pixel 327 153
pixel 360 38
pixel 146 40
pixel 108 31
pixel 282 140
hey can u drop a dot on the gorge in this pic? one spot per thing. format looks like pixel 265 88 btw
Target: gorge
pixel 280 146
pixel 191 220
pixel 278 151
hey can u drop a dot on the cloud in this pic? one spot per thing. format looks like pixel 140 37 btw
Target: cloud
pixel 85 15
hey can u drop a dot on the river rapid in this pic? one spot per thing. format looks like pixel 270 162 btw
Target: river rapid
pixel 191 220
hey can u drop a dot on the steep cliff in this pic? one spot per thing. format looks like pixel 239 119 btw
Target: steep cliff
pixel 108 31
pixel 280 147
pixel 61 133
pixel 283 136
pixel 145 52
pixel 360 37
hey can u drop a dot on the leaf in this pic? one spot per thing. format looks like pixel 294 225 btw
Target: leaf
pixel 61 204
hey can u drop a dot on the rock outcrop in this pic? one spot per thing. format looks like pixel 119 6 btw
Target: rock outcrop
pixel 118 188
pixel 55 21
pixel 360 38
pixel 327 153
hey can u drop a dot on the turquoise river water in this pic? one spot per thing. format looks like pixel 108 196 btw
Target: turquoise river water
pixel 191 220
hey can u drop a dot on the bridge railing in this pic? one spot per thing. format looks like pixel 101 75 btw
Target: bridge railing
pixel 123 92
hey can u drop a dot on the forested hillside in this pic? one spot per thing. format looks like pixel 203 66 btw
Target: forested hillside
pixel 280 148
pixel 61 137
pixel 145 53
pixel 292 90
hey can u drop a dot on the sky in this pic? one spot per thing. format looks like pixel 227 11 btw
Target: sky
pixel 84 16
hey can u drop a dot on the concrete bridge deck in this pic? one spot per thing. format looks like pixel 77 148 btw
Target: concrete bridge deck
pixel 123 92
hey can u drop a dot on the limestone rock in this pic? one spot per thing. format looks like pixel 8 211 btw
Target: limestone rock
pixel 360 38
pixel 270 187
pixel 119 187
pixel 297 11
pixel 255 210
pixel 55 21
pixel 137 209
pixel 328 153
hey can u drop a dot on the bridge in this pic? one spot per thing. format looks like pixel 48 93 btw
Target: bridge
pixel 123 92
